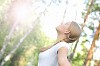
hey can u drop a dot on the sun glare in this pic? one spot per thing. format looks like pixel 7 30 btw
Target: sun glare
pixel 21 12
pixel 55 14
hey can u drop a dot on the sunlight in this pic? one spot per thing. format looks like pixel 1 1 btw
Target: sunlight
pixel 55 13
pixel 22 12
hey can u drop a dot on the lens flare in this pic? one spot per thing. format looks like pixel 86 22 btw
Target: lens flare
pixel 21 12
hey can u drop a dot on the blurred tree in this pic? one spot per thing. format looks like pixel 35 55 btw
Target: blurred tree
pixel 24 52
pixel 14 40
pixel 95 10
pixel 85 18
pixel 91 50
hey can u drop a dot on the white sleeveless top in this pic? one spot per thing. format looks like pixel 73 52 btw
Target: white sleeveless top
pixel 49 57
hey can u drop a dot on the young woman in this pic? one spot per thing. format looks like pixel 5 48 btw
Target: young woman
pixel 56 55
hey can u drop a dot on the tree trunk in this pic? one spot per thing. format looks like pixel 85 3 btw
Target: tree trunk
pixel 91 50
pixel 22 39
pixel 15 48
pixel 85 18
pixel 7 39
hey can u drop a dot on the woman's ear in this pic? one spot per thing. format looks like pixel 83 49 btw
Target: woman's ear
pixel 67 32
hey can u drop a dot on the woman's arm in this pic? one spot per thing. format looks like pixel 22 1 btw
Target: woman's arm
pixel 62 57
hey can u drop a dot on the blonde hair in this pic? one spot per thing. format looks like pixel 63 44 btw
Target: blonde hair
pixel 75 32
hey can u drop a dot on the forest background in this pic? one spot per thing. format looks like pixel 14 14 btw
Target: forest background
pixel 28 25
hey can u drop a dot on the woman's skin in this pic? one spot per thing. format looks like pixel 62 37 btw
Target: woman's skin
pixel 62 32
pixel 62 57
pixel 68 32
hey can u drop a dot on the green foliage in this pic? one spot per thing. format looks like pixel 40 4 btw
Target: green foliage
pixel 96 7
pixel 7 63
pixel 80 57
pixel 36 55
pixel 79 60
pixel 27 53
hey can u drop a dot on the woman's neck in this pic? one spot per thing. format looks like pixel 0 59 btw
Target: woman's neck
pixel 61 38
pixel 46 48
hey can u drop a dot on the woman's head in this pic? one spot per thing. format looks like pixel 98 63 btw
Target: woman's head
pixel 69 31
